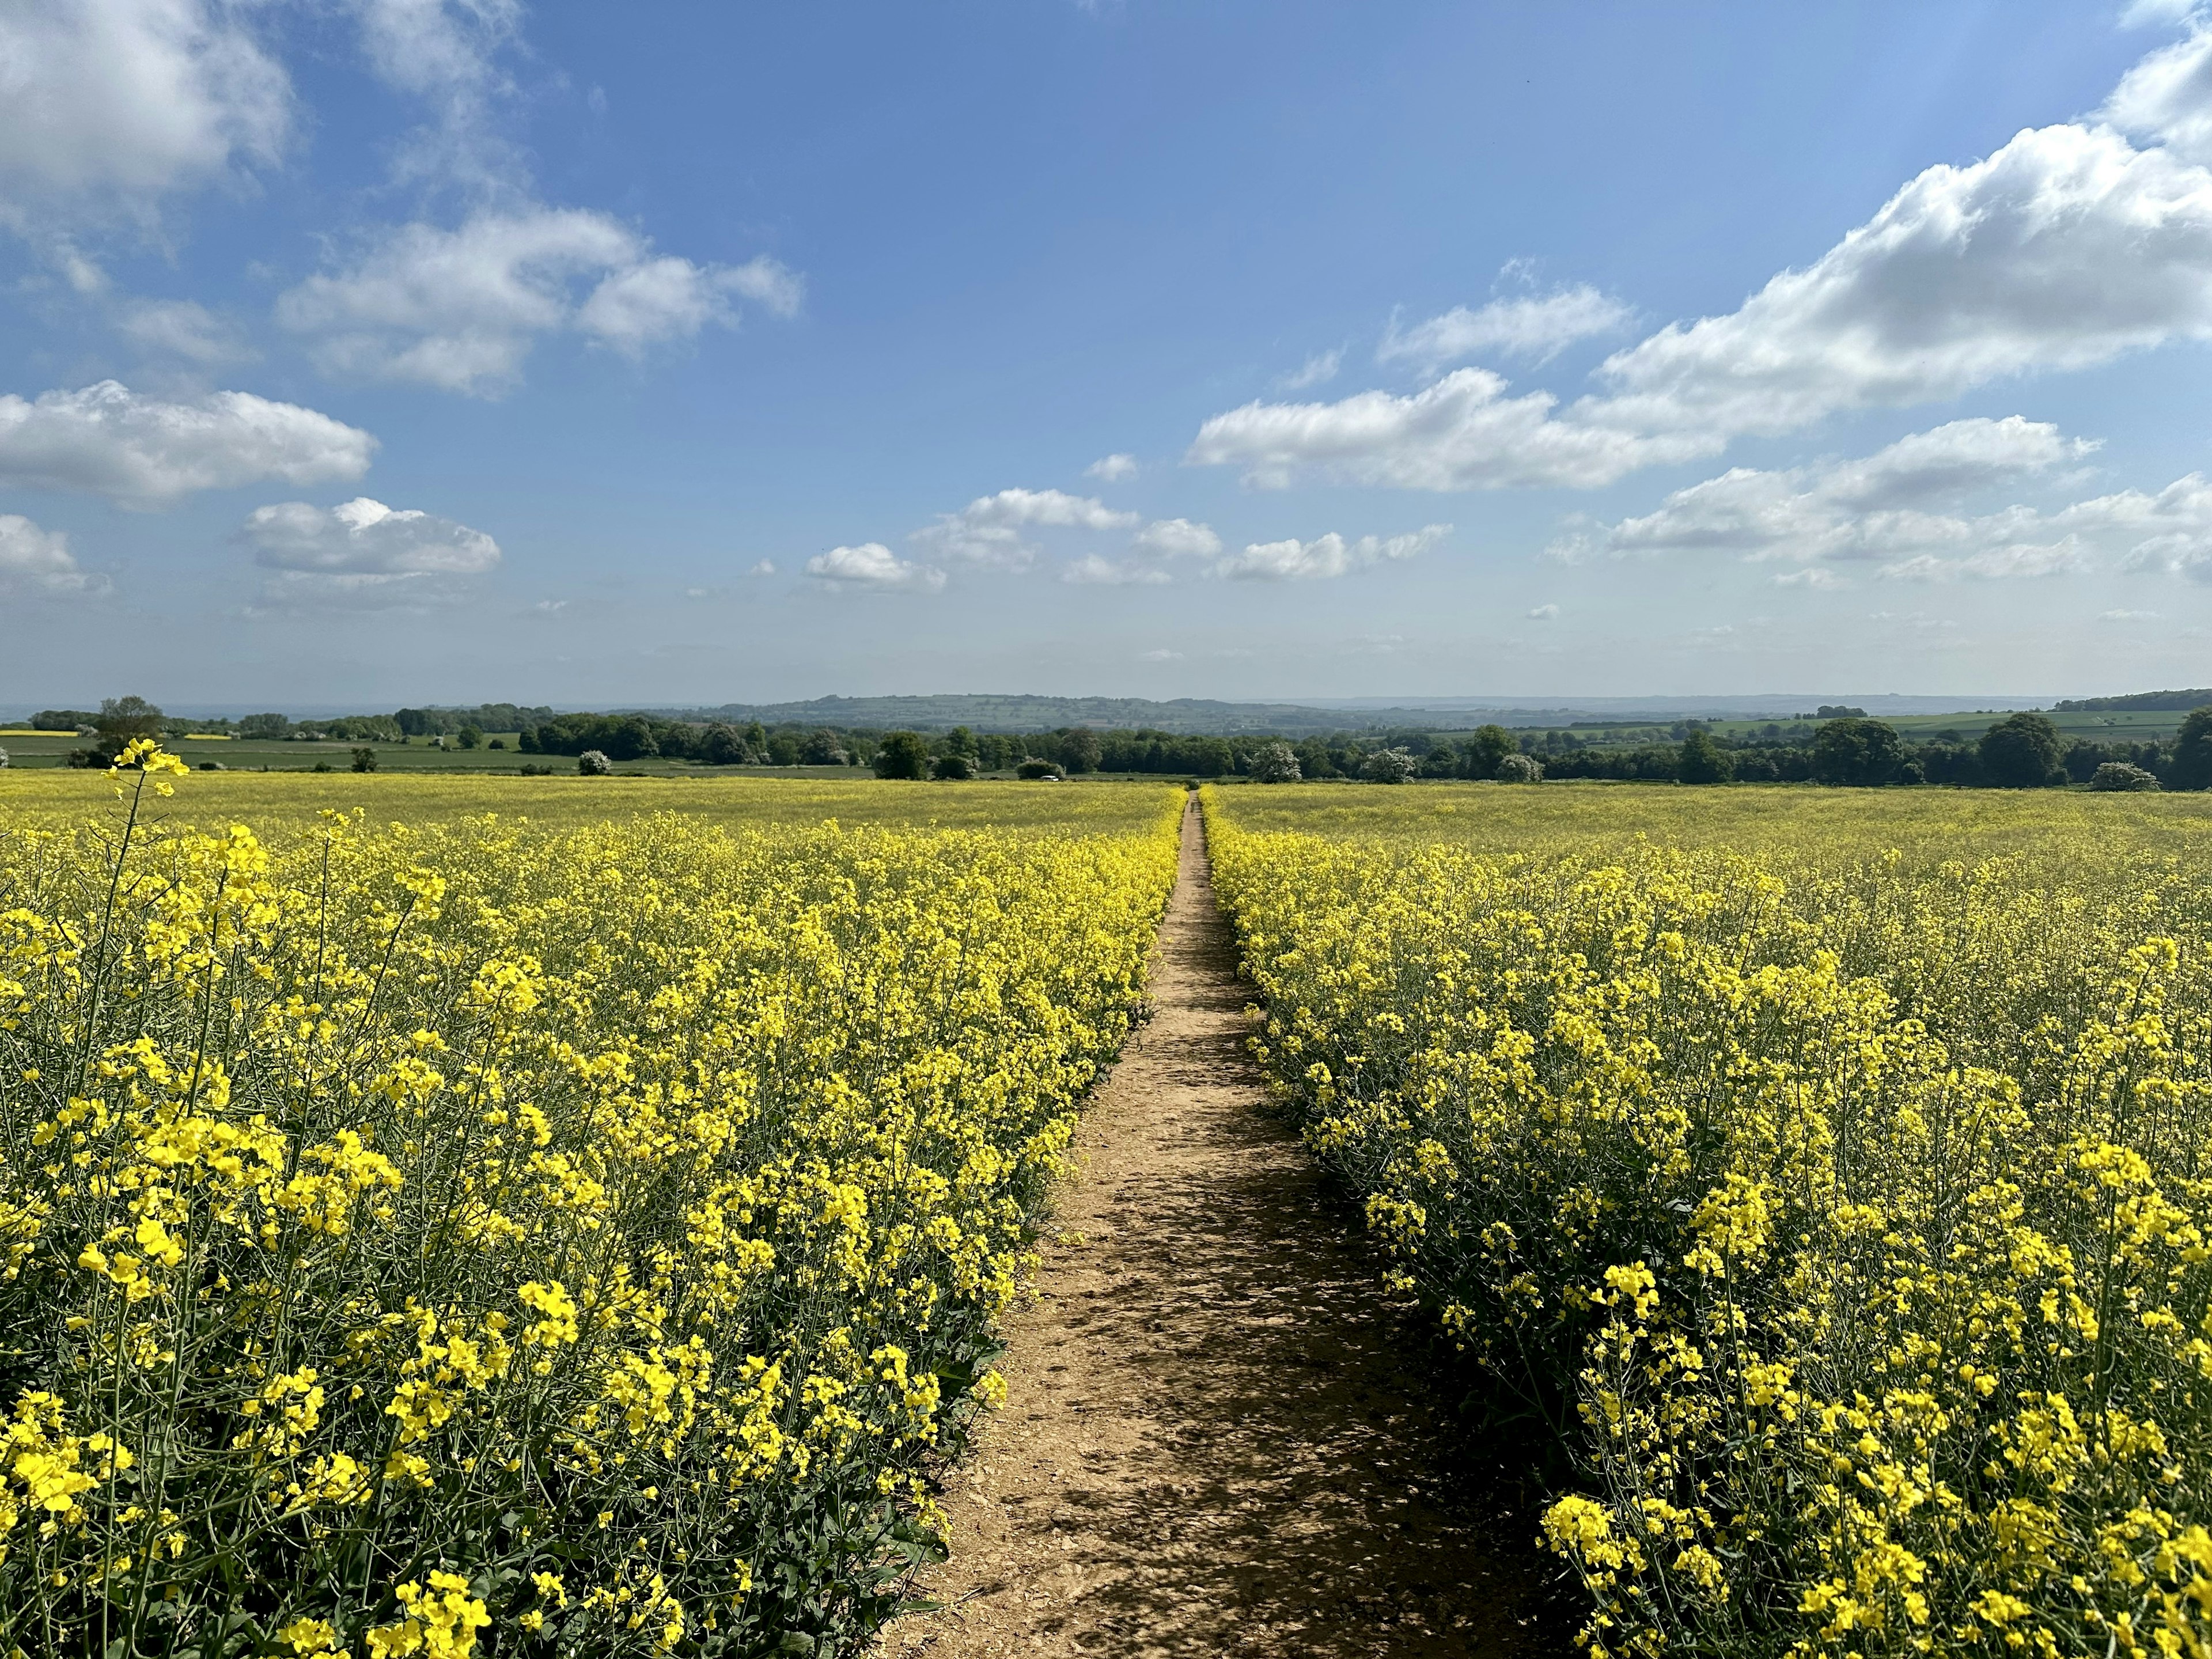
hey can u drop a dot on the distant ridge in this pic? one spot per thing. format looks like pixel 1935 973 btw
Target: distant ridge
pixel 2154 702
pixel 986 712
pixel 1196 716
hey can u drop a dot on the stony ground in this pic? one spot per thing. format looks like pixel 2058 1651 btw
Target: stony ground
pixel 1220 1436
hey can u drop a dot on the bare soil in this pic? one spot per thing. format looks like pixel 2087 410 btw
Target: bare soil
pixel 1221 1436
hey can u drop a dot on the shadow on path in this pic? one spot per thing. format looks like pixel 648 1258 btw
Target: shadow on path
pixel 1220 1438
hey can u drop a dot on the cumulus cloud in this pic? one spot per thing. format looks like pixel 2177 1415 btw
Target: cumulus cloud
pixel 1150 548
pixel 108 441
pixel 1177 538
pixel 1112 469
pixel 1869 508
pixel 365 537
pixel 872 565
pixel 108 107
pixel 1463 433
pixel 989 531
pixel 39 561
pixel 1544 613
pixel 1900 509
pixel 1325 555
pixel 2065 248
pixel 362 555
pixel 460 309
pixel 2166 99
pixel 1535 326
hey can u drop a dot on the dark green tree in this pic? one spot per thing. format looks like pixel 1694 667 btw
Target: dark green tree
pixel 632 739
pixel 822 748
pixel 470 737
pixel 1703 760
pixel 364 760
pixel 263 726
pixel 2191 768
pixel 721 746
pixel 953 768
pixel 1078 751
pixel 902 755
pixel 2023 751
pixel 1484 748
pixel 122 718
pixel 1860 753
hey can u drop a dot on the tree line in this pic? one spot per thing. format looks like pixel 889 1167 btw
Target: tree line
pixel 1845 748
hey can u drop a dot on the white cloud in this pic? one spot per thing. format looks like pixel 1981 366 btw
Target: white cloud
pixel 39 561
pixel 1162 540
pixel 872 565
pixel 1538 327
pixel 460 309
pixel 1093 570
pixel 180 328
pixel 1177 538
pixel 1461 432
pixel 362 538
pixel 1544 613
pixel 142 452
pixel 362 555
pixel 1163 656
pixel 988 532
pixel 761 568
pixel 108 105
pixel 1900 509
pixel 1317 370
pixel 2065 248
pixel 1112 469
pixel 1813 575
pixel 444 54
pixel 1875 506
pixel 2127 615
pixel 2007 559
pixel 2166 99
pixel 1325 555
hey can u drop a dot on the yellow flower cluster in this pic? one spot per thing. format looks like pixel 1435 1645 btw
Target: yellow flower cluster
pixel 1843 1215
pixel 449 1238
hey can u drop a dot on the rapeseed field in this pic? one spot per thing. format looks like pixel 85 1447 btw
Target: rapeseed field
pixel 1825 1175
pixel 538 1232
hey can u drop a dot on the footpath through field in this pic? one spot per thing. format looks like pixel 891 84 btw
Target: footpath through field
pixel 1219 1437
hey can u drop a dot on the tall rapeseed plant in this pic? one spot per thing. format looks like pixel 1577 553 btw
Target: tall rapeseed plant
pixel 480 1239
pixel 1843 1219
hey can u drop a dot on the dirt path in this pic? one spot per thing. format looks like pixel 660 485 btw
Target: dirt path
pixel 1215 1440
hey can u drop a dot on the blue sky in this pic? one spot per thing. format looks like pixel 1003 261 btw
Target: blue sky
pixel 378 350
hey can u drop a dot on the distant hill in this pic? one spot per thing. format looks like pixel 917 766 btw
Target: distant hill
pixel 2156 701
pixel 1202 716
pixel 988 713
